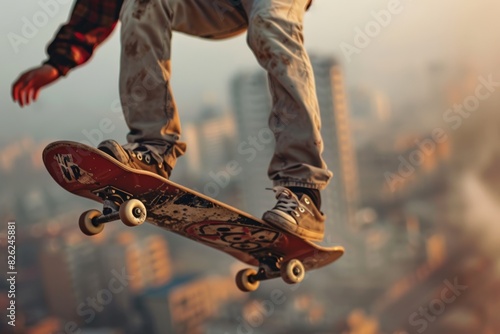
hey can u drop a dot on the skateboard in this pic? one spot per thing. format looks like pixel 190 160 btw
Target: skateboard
pixel 135 196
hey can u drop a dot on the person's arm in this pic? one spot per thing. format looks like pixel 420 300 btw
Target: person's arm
pixel 90 23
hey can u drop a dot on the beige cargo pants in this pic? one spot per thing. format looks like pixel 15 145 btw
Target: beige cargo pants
pixel 274 33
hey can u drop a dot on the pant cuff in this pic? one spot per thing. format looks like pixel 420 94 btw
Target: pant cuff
pixel 296 183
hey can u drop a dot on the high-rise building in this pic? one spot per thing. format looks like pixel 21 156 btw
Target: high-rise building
pixel 209 140
pixel 86 278
pixel 369 110
pixel 146 260
pixel 340 197
pixel 216 132
pixel 69 274
pixel 186 303
pixel 211 148
pixel 252 105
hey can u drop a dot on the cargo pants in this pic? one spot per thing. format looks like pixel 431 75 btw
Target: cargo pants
pixel 274 34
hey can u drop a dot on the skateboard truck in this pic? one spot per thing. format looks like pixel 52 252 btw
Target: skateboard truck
pixel 291 271
pixel 131 212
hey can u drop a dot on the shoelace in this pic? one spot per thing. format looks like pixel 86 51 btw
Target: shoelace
pixel 288 202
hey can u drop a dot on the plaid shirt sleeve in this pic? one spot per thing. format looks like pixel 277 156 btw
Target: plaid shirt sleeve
pixel 91 22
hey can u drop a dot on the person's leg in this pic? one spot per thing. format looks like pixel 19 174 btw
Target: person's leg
pixel 146 96
pixel 145 92
pixel 275 37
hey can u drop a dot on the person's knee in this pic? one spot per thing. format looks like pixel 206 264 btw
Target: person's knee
pixel 129 21
pixel 144 14
pixel 262 30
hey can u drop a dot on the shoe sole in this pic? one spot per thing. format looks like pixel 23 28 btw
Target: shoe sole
pixel 121 155
pixel 277 220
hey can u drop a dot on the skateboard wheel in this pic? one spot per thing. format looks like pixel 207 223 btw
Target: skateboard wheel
pixel 133 212
pixel 87 225
pixel 293 271
pixel 244 280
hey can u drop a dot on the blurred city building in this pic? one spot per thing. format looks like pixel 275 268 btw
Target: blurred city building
pixel 369 111
pixel 341 195
pixel 251 106
pixel 210 138
pixel 184 305
pixel 91 281
pixel 207 166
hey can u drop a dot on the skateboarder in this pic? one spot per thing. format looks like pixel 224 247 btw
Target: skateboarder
pixel 274 34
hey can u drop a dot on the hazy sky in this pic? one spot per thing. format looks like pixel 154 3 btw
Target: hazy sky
pixel 421 31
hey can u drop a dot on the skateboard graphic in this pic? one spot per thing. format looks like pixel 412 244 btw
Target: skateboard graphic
pixel 135 196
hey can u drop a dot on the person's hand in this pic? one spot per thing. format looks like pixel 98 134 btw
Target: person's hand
pixel 27 87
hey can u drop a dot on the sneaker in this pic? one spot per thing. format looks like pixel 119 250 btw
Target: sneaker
pixel 298 216
pixel 140 158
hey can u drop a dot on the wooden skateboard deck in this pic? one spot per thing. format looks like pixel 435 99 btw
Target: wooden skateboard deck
pixel 90 173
